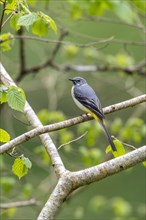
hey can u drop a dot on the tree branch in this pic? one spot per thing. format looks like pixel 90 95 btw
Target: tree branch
pixel 48 62
pixel 2 16
pixel 18 204
pixel 58 45
pixel 92 43
pixel 68 123
pixel 35 122
pixel 70 181
pixel 118 22
pixel 22 55
pixel 139 68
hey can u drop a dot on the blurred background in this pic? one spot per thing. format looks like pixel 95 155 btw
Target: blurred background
pixel 109 35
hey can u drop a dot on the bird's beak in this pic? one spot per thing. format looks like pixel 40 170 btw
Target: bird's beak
pixel 71 80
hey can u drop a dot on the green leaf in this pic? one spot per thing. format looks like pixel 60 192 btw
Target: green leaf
pixel 120 149
pixel 40 27
pixel 140 5
pixel 14 21
pixel 3 97
pixel 27 20
pixel 26 161
pixel 11 6
pixel 52 24
pixel 19 168
pixel 4 136
pixel 15 98
pixel 124 11
pixel 49 20
pixel 6 41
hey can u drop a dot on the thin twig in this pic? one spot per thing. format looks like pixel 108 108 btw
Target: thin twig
pixel 62 145
pixel 2 17
pixel 8 18
pixel 128 145
pixel 118 22
pixel 18 204
pixel 58 44
pixel 93 43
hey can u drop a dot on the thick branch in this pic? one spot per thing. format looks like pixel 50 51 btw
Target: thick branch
pixel 73 180
pixel 35 122
pixel 68 123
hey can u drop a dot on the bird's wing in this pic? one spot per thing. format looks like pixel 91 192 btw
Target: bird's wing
pixel 87 97
pixel 92 106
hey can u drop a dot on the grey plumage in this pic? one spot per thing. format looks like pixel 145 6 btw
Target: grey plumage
pixel 86 99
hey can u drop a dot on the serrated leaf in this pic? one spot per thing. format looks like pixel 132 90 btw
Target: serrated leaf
pixel 26 161
pixel 19 168
pixel 40 27
pixel 120 149
pixel 27 20
pixel 15 98
pixel 4 136
pixel 22 92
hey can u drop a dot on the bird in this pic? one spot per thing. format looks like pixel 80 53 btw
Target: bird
pixel 86 99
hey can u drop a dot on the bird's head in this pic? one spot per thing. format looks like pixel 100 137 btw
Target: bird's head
pixel 78 81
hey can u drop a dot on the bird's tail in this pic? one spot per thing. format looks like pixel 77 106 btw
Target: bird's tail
pixel 108 135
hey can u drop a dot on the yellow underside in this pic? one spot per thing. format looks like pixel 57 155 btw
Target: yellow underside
pixel 93 115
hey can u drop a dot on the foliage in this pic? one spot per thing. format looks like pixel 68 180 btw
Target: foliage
pixel 120 149
pixel 4 136
pixel 14 96
pixel 6 41
pixel 122 9
pixel 21 166
pixel 21 16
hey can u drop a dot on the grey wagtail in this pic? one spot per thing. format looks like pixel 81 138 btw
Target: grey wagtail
pixel 86 99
